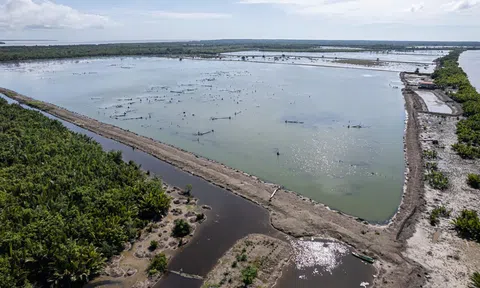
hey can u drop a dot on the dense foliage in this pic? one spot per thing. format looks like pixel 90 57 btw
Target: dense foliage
pixel 181 228
pixel 467 225
pixel 65 204
pixel 249 274
pixel 451 76
pixel 158 264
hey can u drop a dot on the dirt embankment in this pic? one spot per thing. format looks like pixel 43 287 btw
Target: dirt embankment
pixel 289 212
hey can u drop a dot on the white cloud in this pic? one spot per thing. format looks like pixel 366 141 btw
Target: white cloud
pixel 417 7
pixel 188 15
pixel 379 11
pixel 27 14
pixel 460 5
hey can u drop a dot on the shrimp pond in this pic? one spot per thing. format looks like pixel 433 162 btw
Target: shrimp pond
pixel 333 135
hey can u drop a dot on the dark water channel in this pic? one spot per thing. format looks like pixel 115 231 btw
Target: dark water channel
pixel 230 219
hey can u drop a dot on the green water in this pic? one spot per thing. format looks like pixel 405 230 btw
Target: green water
pixel 358 171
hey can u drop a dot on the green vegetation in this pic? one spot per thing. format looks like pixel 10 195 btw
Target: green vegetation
pixel 153 245
pixel 65 204
pixel 430 154
pixel 188 189
pixel 433 166
pixel 249 274
pixel 437 213
pixel 475 280
pixel 468 225
pixel 158 264
pixel 181 228
pixel 437 180
pixel 451 76
pixel 208 48
pixel 473 181
pixel 241 257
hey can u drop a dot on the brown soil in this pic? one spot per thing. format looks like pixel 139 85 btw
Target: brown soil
pixel 291 213
pixel 269 256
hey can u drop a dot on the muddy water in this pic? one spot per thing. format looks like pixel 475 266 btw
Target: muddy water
pixel 230 219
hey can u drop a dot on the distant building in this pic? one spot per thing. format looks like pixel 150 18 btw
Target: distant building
pixel 427 85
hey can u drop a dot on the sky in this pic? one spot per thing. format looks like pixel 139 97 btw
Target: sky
pixel 116 20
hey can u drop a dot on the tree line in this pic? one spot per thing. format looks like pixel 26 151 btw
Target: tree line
pixel 66 206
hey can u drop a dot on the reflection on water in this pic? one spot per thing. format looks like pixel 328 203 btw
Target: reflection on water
pixel 235 113
pixel 325 262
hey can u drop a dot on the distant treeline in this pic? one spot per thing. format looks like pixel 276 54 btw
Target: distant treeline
pixel 204 48
pixel 451 77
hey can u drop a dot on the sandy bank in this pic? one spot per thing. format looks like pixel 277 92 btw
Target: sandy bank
pixel 292 213
pixel 268 255
pixel 450 259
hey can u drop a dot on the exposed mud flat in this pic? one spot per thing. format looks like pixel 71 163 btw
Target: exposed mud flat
pixel 449 259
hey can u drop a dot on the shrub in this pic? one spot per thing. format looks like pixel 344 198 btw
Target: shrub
pixel 433 166
pixel 249 274
pixel 466 151
pixel 234 264
pixel 468 225
pixel 475 278
pixel 181 228
pixel 200 216
pixel 243 258
pixel 473 181
pixel 438 212
pixel 153 245
pixel 188 189
pixel 437 180
pixel 430 154
pixel 158 264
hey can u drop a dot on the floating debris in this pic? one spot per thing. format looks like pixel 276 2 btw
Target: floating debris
pixel 203 133
pixel 293 122
pixel 221 118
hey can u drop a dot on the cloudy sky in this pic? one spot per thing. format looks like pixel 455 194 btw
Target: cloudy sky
pixel 97 20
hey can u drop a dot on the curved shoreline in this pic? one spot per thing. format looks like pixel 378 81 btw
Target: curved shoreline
pixel 289 212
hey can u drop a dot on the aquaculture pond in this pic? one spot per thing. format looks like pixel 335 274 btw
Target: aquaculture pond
pixel 334 135
pixel 470 63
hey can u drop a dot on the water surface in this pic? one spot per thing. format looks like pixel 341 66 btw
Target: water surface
pixel 356 170
pixel 470 63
